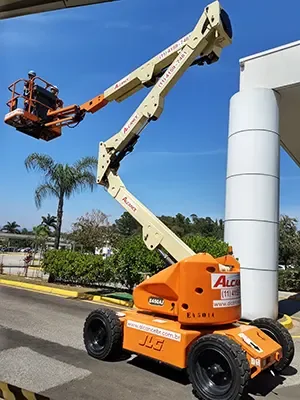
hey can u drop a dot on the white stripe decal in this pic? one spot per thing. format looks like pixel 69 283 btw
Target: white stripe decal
pixel 154 330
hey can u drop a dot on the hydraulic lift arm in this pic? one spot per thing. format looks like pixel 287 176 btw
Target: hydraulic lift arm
pixel 207 40
pixel 203 45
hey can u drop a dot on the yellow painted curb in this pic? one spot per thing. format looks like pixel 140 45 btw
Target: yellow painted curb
pixel 287 322
pixel 40 288
pixel 36 268
pixel 111 300
pixel 65 292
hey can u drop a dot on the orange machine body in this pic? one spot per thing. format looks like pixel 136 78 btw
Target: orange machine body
pixel 195 291
pixel 194 297
pixel 168 340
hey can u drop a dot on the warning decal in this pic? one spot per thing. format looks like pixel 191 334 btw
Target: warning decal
pixel 229 289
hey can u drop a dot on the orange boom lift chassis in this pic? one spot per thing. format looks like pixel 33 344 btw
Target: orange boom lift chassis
pixel 187 314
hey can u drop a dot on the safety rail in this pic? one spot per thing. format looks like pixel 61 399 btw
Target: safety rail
pixel 12 103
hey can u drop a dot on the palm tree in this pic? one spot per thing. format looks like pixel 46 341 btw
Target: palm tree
pixel 61 181
pixel 50 221
pixel 11 227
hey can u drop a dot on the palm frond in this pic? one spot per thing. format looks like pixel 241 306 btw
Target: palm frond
pixel 43 191
pixel 81 182
pixel 85 163
pixel 40 162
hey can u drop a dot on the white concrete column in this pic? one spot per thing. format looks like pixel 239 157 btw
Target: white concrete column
pixel 252 197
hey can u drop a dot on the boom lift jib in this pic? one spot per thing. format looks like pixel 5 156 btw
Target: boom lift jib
pixel 187 314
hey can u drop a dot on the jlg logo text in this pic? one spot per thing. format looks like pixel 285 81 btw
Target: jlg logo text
pixel 223 281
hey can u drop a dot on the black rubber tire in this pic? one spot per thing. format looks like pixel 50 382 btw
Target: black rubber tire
pixel 201 353
pixel 105 324
pixel 276 331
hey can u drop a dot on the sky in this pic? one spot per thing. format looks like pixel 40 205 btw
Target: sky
pixel 179 163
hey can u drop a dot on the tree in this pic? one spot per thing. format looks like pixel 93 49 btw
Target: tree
pixel 11 227
pixel 61 181
pixel 50 221
pixel 93 230
pixel 126 225
pixel 207 227
pixel 132 260
pixel 289 240
pixel 205 244
pixel 179 224
pixel 41 233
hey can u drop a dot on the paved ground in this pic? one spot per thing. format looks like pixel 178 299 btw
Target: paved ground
pixel 41 350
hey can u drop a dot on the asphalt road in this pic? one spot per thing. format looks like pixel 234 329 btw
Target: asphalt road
pixel 41 349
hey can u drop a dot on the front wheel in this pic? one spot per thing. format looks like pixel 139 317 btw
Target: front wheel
pixel 218 368
pixel 276 331
pixel 103 334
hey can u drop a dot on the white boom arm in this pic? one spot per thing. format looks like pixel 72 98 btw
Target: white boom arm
pixel 211 34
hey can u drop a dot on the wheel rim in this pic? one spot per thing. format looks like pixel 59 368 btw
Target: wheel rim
pixel 214 371
pixel 97 334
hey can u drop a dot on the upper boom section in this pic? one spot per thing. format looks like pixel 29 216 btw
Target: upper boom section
pixel 149 73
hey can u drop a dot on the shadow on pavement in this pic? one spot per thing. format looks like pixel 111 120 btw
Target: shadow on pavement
pixel 289 307
pixel 262 385
pixel 160 369
pixel 266 383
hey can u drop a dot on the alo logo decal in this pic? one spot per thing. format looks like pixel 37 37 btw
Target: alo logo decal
pixel 225 281
pixel 156 301
pixel 129 203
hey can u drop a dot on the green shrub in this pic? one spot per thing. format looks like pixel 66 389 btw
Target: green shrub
pixel 289 280
pixel 132 260
pixel 211 245
pixel 76 267
pixel 128 265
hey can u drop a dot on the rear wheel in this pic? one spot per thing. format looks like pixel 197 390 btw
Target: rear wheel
pixel 276 331
pixel 103 334
pixel 218 368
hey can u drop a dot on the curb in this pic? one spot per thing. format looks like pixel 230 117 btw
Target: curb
pixel 66 293
pixel 100 299
pixel 40 288
pixel 287 322
pixel 294 297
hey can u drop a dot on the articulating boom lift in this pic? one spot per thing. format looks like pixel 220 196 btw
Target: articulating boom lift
pixel 187 315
